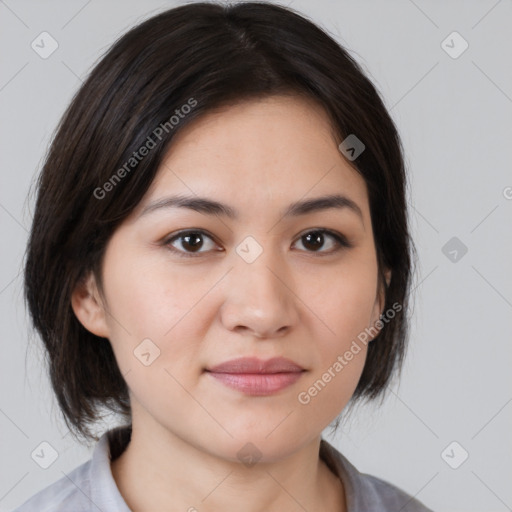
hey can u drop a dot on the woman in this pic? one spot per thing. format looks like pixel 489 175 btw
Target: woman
pixel 220 252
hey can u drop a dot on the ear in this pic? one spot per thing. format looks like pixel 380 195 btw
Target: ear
pixel 380 302
pixel 88 307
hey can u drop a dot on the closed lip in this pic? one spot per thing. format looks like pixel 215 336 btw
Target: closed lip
pixel 254 365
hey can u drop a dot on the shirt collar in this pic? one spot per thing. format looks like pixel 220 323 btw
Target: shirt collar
pixel 104 491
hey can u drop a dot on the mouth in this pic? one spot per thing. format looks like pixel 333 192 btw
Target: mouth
pixel 257 377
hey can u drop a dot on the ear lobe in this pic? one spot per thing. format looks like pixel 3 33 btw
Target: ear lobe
pixel 387 275
pixel 88 307
pixel 382 297
pixel 380 302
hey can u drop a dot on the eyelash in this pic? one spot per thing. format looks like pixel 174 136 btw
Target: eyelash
pixel 341 241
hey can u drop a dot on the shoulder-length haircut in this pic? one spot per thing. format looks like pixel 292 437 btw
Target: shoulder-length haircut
pixel 209 55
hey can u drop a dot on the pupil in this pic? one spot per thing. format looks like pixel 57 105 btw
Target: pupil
pixel 193 241
pixel 315 237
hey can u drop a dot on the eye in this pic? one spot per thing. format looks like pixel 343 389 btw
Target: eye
pixel 191 241
pixel 316 239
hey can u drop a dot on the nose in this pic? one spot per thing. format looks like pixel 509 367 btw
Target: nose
pixel 260 298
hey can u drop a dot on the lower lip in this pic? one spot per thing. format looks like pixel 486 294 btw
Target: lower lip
pixel 257 384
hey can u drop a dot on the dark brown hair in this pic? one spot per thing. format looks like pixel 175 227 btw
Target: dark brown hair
pixel 215 55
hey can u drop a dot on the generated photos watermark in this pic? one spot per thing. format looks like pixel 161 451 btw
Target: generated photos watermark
pixel 364 337
pixel 151 142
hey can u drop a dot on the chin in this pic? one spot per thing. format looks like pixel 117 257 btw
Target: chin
pixel 266 445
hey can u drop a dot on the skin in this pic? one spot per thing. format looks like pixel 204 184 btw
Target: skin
pixel 257 157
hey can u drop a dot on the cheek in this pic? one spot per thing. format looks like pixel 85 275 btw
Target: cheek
pixel 152 302
pixel 344 302
pixel 150 299
pixel 325 395
pixel 341 359
pixel 345 309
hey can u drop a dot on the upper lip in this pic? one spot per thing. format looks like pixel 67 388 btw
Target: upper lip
pixel 255 365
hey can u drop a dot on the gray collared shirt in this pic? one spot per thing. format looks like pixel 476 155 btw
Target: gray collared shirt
pixel 91 487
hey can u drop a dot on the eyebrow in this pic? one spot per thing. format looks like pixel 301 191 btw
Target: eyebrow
pixel 211 207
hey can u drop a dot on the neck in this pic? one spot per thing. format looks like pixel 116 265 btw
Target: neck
pixel 161 471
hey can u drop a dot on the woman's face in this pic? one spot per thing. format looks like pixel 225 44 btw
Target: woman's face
pixel 260 284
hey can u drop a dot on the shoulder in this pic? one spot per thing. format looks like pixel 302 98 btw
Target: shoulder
pixel 89 486
pixel 389 497
pixel 367 493
pixel 68 493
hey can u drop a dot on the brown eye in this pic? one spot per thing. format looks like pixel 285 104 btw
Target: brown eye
pixel 191 242
pixel 317 239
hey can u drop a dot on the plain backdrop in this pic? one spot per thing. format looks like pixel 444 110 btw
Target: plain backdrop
pixel 453 109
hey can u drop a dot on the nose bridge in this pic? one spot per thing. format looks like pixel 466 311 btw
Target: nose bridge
pixel 261 269
pixel 259 296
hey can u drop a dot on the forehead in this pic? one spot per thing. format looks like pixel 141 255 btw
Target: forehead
pixel 257 153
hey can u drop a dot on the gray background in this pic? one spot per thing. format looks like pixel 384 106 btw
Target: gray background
pixel 454 118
